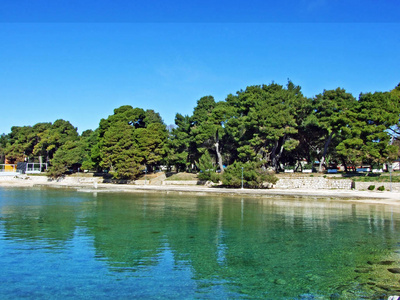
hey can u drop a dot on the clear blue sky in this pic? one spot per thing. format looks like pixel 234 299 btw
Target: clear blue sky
pixel 78 61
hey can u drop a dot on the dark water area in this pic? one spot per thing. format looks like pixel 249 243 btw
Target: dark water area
pixel 58 243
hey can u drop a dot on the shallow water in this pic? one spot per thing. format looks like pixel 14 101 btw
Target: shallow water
pixel 64 244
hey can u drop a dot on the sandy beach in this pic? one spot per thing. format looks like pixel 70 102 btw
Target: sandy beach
pixel 89 185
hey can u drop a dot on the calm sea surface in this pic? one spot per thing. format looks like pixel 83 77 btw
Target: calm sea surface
pixel 57 244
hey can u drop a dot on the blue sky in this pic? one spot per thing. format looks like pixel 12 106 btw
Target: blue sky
pixel 79 61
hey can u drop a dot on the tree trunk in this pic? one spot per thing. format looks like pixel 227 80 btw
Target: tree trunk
pixel 345 166
pixel 264 155
pixel 273 155
pixel 278 156
pixel 219 156
pixel 328 141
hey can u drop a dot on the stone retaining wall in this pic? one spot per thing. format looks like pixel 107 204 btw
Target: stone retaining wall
pixel 19 177
pixel 183 182
pixel 313 183
pixel 79 180
pixel 45 179
pixel 363 186
pixel 283 183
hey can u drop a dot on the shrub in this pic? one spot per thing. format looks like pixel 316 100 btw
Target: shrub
pixel 371 187
pixel 253 175
pixel 128 169
pixel 381 188
pixel 215 177
pixel 87 165
pixel 206 167
pixel 206 174
pixel 308 166
pixel 56 171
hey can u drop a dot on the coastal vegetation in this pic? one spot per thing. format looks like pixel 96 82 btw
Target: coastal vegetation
pixel 259 130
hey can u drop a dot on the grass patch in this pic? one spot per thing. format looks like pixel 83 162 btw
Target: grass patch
pixel 375 178
pixel 35 174
pixel 148 176
pixel 81 174
pixel 181 176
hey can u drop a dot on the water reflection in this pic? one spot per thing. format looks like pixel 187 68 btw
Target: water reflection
pixel 216 246
pixel 48 217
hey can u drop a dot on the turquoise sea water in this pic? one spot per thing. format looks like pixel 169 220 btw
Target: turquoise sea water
pixel 65 244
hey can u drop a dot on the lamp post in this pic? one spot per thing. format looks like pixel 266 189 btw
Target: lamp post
pixel 242 178
pixel 145 175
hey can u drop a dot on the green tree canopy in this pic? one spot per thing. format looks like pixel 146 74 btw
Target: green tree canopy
pixel 53 137
pixel 368 139
pixel 208 131
pixel 21 141
pixel 265 121
pixel 131 139
pixel 68 156
pixel 179 145
pixel 270 126
pixel 3 144
pixel 332 109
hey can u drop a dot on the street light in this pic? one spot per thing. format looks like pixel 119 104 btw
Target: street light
pixel 242 178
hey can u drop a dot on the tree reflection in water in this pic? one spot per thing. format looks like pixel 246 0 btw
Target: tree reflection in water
pixel 212 246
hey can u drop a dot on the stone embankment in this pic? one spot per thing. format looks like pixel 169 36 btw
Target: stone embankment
pixel 363 186
pixel 183 182
pixel 322 183
pixel 26 180
pixel 304 183
pixel 313 183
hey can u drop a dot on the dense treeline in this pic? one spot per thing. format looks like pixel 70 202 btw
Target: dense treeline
pixel 266 127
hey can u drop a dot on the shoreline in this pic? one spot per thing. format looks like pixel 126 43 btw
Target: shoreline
pixel 372 197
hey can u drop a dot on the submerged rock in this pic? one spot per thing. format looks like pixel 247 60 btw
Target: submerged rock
pixel 311 296
pixel 363 270
pixel 394 270
pixel 386 262
pixel 312 277
pixel 384 287
pixel 280 281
